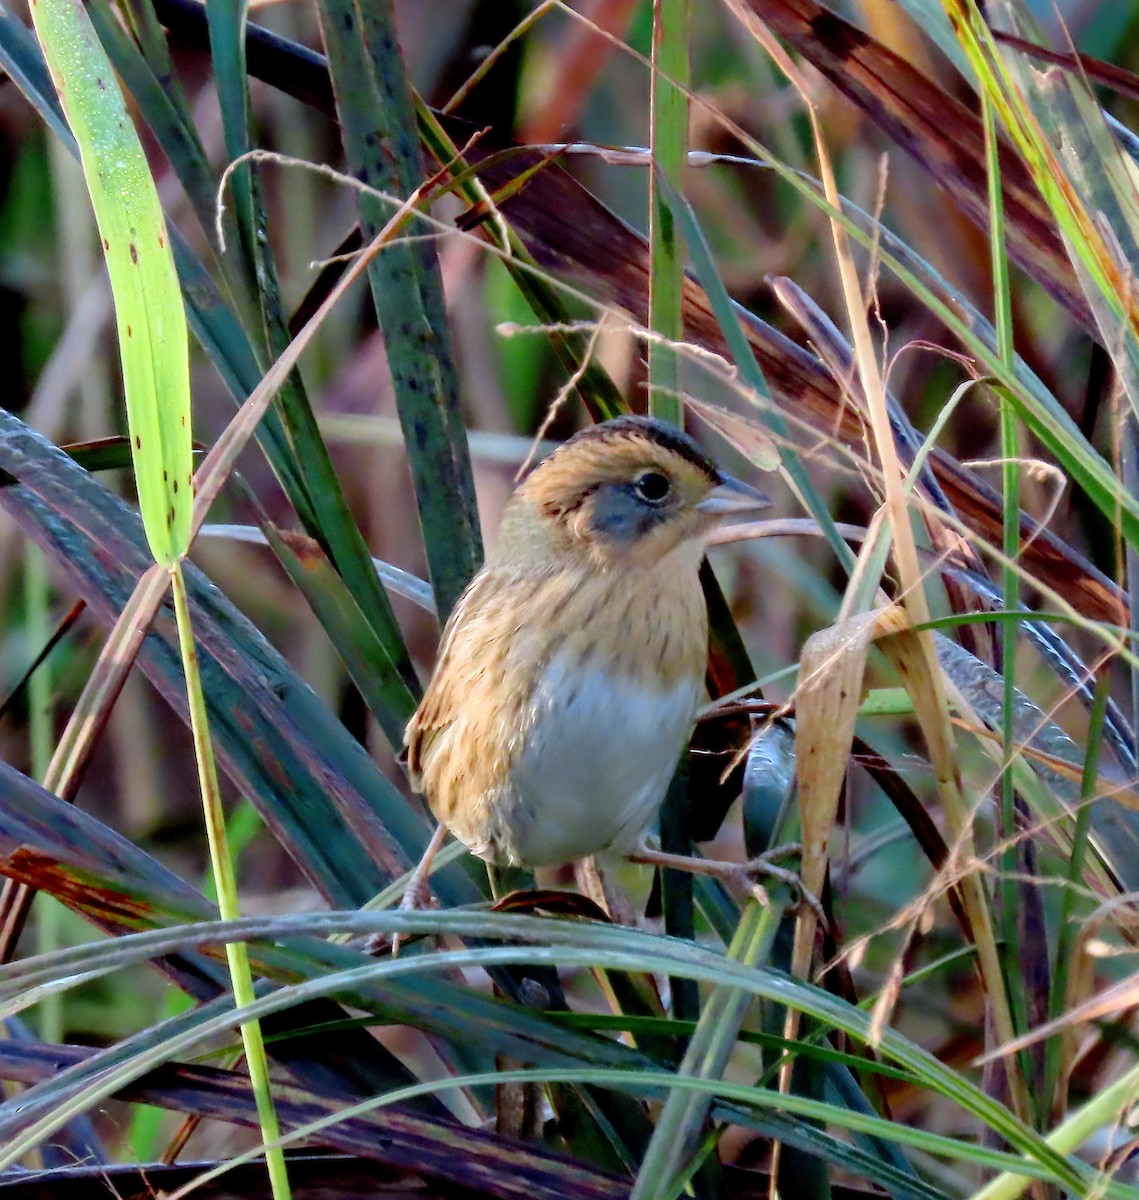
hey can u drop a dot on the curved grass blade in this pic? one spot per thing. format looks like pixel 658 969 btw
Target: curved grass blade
pixel 439 1150
pixel 673 1153
pixel 576 944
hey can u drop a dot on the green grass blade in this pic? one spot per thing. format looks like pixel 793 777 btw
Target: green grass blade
pixel 576 944
pixel 225 884
pixel 378 126
pixel 170 122
pixel 672 1153
pixel 668 143
pixel 148 302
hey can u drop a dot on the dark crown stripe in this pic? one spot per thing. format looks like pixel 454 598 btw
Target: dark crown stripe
pixel 664 435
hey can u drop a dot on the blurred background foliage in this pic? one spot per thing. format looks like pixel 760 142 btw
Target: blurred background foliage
pixel 321 824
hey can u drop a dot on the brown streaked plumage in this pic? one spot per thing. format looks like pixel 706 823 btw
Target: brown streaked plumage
pixel 569 673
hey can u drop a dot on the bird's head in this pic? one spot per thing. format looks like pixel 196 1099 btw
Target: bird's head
pixel 626 491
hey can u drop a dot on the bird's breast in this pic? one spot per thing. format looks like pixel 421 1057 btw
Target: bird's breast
pixel 563 703
pixel 598 753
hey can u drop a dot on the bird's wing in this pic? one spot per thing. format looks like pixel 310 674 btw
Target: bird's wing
pixel 449 686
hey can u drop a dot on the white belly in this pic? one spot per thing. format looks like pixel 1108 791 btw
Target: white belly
pixel 594 767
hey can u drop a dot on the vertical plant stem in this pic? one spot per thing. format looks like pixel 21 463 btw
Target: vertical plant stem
pixel 1066 938
pixel 1009 908
pixel 674 1150
pixel 36 628
pixel 1129 469
pixel 225 880
pixel 935 719
pixel 668 142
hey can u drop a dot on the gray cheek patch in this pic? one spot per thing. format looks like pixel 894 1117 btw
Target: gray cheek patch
pixel 617 515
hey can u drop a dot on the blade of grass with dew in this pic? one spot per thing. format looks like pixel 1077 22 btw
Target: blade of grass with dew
pixel 171 124
pixel 307 476
pixel 120 888
pixel 297 958
pixel 725 1101
pixel 401 1139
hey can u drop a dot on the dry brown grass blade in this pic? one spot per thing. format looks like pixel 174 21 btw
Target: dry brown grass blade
pixel 936 130
pixel 1119 998
pixel 1119 79
pixel 748 437
pixel 831 669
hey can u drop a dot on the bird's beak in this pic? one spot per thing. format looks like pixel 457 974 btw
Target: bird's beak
pixel 732 496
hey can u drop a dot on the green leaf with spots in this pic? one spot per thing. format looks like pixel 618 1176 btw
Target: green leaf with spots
pixel 148 302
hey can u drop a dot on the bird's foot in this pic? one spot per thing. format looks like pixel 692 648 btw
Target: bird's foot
pixel 764 866
pixel 416 897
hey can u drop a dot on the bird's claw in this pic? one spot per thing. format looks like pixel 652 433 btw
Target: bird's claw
pixel 763 866
pixel 416 898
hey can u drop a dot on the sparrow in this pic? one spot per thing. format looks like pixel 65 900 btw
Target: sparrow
pixel 570 671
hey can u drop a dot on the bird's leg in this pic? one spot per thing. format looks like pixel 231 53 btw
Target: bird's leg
pixel 595 883
pixel 417 894
pixel 743 875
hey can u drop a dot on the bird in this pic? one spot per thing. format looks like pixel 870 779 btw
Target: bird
pixel 570 671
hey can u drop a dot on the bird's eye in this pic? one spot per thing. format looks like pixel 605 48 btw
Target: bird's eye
pixel 652 487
